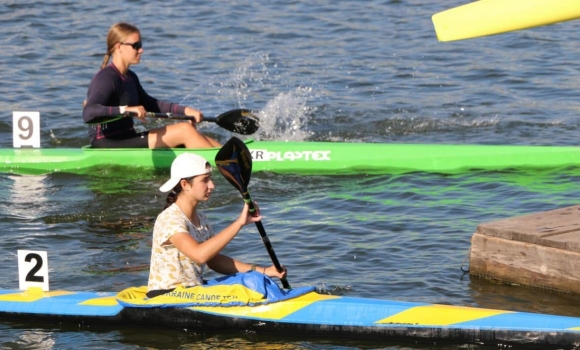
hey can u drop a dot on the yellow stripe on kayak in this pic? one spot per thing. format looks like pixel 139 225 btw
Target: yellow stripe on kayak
pixel 440 315
pixel 275 311
pixel 104 301
pixel 489 17
pixel 32 295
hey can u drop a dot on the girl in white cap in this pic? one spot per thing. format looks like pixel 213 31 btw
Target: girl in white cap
pixel 183 241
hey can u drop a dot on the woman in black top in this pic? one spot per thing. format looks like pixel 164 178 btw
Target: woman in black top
pixel 115 89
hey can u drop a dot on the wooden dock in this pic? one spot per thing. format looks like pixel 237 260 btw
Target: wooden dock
pixel 540 250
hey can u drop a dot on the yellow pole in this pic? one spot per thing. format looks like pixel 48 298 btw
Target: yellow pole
pixel 489 17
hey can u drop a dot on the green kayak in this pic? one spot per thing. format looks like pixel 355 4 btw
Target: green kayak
pixel 306 158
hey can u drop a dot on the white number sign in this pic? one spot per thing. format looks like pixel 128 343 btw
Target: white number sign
pixel 33 269
pixel 26 129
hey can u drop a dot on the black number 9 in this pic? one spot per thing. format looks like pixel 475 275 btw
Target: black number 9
pixel 25 125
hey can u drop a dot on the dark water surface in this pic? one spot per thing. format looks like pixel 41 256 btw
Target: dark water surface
pixel 370 71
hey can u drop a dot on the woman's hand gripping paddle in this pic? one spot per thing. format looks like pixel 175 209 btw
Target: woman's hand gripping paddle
pixel 234 161
pixel 240 121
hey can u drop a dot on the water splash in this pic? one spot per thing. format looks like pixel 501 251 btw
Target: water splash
pixel 251 78
pixel 284 115
pixel 283 101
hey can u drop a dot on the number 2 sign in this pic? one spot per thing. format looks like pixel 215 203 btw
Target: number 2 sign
pixel 26 129
pixel 33 269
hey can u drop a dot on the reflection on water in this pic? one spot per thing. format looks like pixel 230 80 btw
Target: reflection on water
pixel 37 339
pixel 24 197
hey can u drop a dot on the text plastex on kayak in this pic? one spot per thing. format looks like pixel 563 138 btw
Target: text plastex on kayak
pixel 266 156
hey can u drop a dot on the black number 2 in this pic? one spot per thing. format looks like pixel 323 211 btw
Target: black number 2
pixel 31 277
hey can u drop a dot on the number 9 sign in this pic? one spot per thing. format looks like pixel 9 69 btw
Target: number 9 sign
pixel 26 129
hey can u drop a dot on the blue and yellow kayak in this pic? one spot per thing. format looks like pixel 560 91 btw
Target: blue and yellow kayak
pixel 304 158
pixel 302 312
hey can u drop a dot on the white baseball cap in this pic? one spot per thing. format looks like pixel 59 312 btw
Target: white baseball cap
pixel 185 165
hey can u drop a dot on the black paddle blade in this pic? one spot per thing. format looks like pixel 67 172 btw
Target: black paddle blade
pixel 240 121
pixel 234 161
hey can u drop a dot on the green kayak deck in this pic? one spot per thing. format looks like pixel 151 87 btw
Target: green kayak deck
pixel 308 158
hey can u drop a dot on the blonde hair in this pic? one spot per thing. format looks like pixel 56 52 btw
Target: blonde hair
pixel 117 33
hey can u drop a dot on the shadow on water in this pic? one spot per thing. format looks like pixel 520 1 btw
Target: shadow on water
pixel 493 294
pixel 31 335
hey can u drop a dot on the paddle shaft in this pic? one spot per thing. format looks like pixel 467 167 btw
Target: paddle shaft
pixel 248 199
pixel 241 121
pixel 112 118
pixel 234 161
pixel 177 116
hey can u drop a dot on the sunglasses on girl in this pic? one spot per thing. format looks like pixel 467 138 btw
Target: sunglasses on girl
pixel 136 46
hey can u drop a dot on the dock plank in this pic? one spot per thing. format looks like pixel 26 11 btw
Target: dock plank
pixel 539 249
pixel 559 228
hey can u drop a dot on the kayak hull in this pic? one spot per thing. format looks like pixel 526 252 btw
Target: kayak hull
pixel 306 158
pixel 309 315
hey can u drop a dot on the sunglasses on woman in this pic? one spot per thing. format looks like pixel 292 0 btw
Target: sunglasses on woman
pixel 135 46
